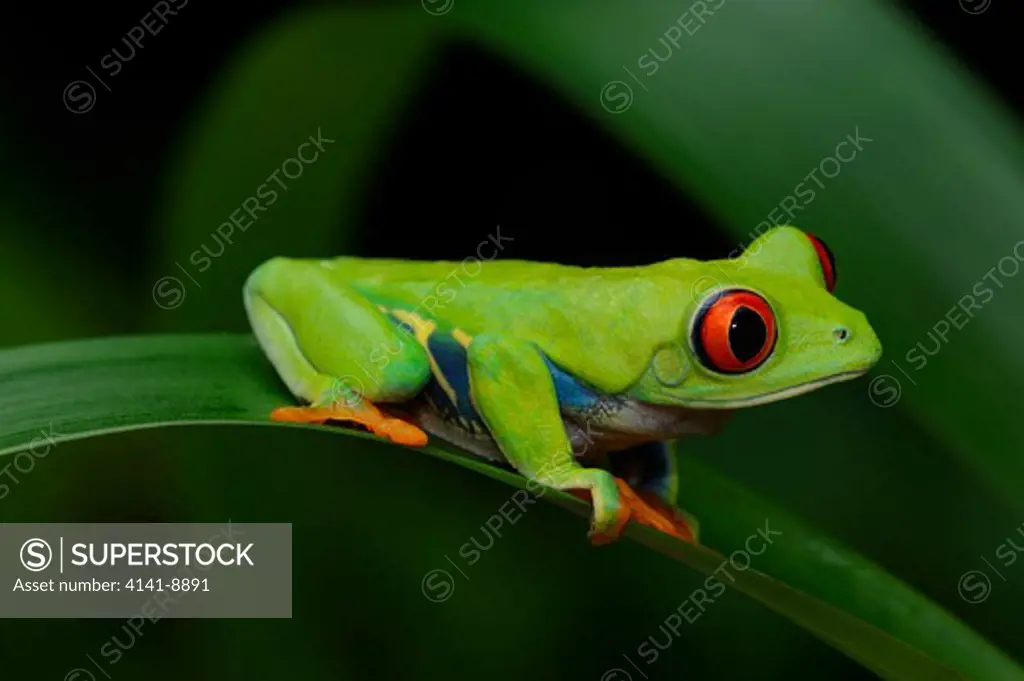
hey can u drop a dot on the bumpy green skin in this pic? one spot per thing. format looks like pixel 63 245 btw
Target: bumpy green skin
pixel 624 331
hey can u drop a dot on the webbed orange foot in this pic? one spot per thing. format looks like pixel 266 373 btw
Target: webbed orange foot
pixel 366 415
pixel 686 526
pixel 652 512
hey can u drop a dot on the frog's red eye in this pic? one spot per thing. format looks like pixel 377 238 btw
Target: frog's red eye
pixel 827 261
pixel 734 331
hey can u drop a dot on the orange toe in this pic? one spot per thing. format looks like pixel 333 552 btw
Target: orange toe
pixel 301 414
pixel 400 432
pixel 652 512
pixel 681 524
pixel 642 512
pixel 366 415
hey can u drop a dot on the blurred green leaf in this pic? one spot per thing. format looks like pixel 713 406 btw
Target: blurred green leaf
pixel 339 75
pixel 111 385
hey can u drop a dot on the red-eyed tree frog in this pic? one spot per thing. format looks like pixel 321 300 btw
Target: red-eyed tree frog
pixel 575 377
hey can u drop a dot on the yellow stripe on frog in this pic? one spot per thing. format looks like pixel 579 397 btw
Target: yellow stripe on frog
pixel 422 329
pixel 463 338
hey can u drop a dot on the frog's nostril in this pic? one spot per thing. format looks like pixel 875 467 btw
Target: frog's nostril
pixel 841 334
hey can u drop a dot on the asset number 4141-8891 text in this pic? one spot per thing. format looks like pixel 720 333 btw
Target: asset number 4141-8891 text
pixel 175 584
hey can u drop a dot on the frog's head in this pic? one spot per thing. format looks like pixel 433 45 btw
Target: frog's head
pixel 762 327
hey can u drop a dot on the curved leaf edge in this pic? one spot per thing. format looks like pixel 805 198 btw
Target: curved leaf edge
pixel 237 359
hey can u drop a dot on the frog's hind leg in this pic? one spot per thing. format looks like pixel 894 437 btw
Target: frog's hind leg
pixel 334 349
pixel 651 470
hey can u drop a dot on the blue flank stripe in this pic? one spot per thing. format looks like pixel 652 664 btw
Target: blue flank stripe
pixel 452 362
pixel 572 394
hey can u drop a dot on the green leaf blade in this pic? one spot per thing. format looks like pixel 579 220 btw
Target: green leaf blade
pixel 84 388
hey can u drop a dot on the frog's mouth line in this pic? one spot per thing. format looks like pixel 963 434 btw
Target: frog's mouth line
pixel 777 395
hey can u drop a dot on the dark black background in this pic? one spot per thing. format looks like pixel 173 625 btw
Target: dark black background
pixel 539 172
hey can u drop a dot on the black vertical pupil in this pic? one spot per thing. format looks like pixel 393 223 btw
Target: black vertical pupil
pixel 747 334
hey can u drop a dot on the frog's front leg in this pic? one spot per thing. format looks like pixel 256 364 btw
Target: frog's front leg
pixel 325 340
pixel 513 391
